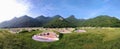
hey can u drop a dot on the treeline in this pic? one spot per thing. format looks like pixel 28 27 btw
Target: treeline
pixel 58 21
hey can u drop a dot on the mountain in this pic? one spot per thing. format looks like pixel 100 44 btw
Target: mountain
pixel 103 21
pixel 24 21
pixel 73 20
pixel 43 19
pixel 58 22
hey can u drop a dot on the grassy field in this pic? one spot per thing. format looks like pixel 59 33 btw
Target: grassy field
pixel 95 38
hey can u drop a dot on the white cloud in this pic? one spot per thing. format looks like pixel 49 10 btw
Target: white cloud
pixel 12 8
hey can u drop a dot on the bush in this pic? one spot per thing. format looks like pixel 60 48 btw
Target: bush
pixel 24 31
pixel 60 35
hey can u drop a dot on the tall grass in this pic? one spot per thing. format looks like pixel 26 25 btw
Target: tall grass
pixel 92 39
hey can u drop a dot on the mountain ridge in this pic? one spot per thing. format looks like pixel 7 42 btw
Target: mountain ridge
pixel 60 22
pixel 27 21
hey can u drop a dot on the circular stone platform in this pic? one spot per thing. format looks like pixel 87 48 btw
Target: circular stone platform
pixel 45 38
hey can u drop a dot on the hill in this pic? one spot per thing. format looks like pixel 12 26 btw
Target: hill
pixel 58 21
pixel 40 21
pixel 44 20
pixel 24 21
pixel 102 21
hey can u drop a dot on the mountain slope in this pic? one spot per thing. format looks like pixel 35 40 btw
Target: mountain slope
pixel 43 19
pixel 58 22
pixel 102 21
pixel 24 21
pixel 73 20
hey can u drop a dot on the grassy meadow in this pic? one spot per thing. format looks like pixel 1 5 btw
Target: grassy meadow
pixel 94 38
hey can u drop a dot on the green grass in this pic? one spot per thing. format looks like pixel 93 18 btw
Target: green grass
pixel 93 39
pixel 109 33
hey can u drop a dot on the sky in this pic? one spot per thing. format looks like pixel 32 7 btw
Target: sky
pixel 81 9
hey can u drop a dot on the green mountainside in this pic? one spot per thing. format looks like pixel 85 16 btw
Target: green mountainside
pixel 58 21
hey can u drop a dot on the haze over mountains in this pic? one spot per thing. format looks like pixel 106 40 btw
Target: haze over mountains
pixel 58 21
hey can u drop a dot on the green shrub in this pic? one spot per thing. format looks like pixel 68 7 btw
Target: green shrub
pixel 24 31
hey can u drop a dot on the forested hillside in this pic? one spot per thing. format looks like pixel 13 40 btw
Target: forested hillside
pixel 58 21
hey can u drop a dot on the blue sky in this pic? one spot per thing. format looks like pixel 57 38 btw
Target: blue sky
pixel 79 8
pixel 82 9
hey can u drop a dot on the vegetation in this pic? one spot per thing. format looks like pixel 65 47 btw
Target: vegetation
pixel 102 21
pixel 96 38
pixel 58 21
pixel 73 20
